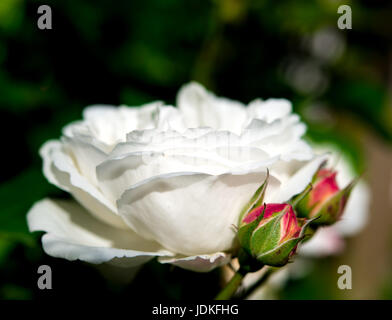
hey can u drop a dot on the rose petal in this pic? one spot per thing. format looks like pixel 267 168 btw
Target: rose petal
pixel 200 263
pixel 280 137
pixel 269 110
pixel 191 213
pixel 298 182
pixel 73 234
pixel 60 170
pixel 117 174
pixel 109 125
pixel 203 109
pixel 85 157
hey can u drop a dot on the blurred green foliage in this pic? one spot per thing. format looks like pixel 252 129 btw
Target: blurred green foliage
pixel 131 52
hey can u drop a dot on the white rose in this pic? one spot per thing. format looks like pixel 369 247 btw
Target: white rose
pixel 160 181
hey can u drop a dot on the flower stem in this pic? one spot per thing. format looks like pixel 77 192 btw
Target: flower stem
pixel 228 291
pixel 258 283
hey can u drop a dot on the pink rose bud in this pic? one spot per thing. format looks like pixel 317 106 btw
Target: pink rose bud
pixel 325 201
pixel 271 233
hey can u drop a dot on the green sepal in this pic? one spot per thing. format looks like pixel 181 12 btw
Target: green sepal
pixel 331 210
pixel 295 200
pixel 245 232
pixel 247 262
pixel 267 236
pixel 300 201
pixel 280 255
pixel 302 209
pixel 321 166
pixel 310 229
pixel 256 200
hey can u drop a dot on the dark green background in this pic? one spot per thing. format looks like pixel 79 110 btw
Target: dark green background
pixel 131 52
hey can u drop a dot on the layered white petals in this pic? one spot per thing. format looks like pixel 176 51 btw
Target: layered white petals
pixel 72 233
pixel 190 213
pixel 269 110
pixel 210 156
pixel 298 181
pixel 173 177
pixel 60 169
pixel 105 126
pixel 268 124
pixel 203 109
